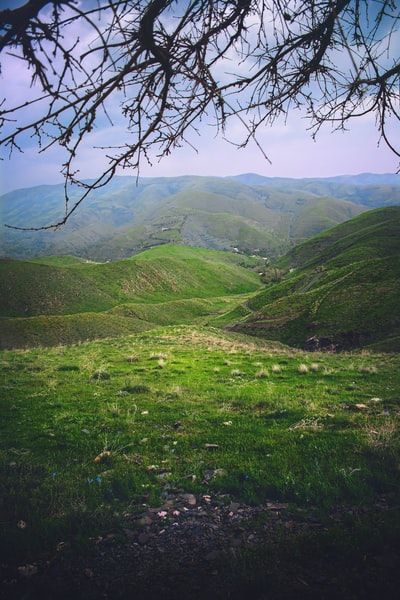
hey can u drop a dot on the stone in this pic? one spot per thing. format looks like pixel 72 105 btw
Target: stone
pixel 211 556
pixel 189 499
pixel 210 474
pixel 28 570
pixel 234 506
pixel 143 538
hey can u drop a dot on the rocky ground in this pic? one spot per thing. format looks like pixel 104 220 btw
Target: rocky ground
pixel 204 547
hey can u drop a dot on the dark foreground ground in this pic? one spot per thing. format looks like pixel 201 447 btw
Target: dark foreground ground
pixel 203 547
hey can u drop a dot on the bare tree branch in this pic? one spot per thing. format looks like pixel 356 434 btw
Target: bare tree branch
pixel 170 64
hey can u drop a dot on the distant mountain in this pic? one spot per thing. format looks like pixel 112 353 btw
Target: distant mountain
pixel 360 179
pixel 336 291
pixel 249 213
pixel 368 189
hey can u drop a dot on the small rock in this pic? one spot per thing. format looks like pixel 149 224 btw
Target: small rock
pixel 27 570
pixel 276 506
pixel 210 474
pixel 143 539
pixel 211 446
pixel 88 573
pixel 211 556
pixel 60 546
pixel 130 533
pixel 102 456
pixel 165 475
pixel 85 431
pixel 189 499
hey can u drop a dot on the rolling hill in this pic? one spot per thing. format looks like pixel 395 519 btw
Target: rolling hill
pixel 65 300
pixel 339 290
pixel 254 214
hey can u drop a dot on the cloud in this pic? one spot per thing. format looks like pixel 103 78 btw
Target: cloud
pixel 288 144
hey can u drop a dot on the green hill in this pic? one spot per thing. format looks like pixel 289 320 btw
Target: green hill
pixel 256 215
pixel 62 301
pixel 340 290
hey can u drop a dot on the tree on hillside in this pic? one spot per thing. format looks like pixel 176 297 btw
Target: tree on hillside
pixel 156 68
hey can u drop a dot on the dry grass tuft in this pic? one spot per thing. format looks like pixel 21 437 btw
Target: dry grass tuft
pixel 262 374
pixel 236 373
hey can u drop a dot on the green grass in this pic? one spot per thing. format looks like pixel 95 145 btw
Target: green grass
pixel 91 431
pixel 341 291
pixel 372 234
pixel 161 274
pixel 61 300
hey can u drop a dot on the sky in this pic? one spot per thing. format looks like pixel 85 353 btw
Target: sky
pixel 288 145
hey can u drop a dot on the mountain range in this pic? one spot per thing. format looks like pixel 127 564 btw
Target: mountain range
pixel 248 213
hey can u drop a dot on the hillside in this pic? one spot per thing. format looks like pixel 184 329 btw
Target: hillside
pixel 188 458
pixel 254 214
pixel 62 300
pixel 339 290
pixel 368 189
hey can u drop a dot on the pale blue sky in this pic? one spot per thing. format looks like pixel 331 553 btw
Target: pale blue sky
pixel 288 145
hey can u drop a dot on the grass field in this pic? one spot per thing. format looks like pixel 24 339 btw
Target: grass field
pixel 93 431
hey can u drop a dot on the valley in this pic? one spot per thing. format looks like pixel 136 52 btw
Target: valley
pixel 338 290
pixel 221 418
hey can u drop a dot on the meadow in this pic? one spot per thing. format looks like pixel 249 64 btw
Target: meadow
pixel 95 431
